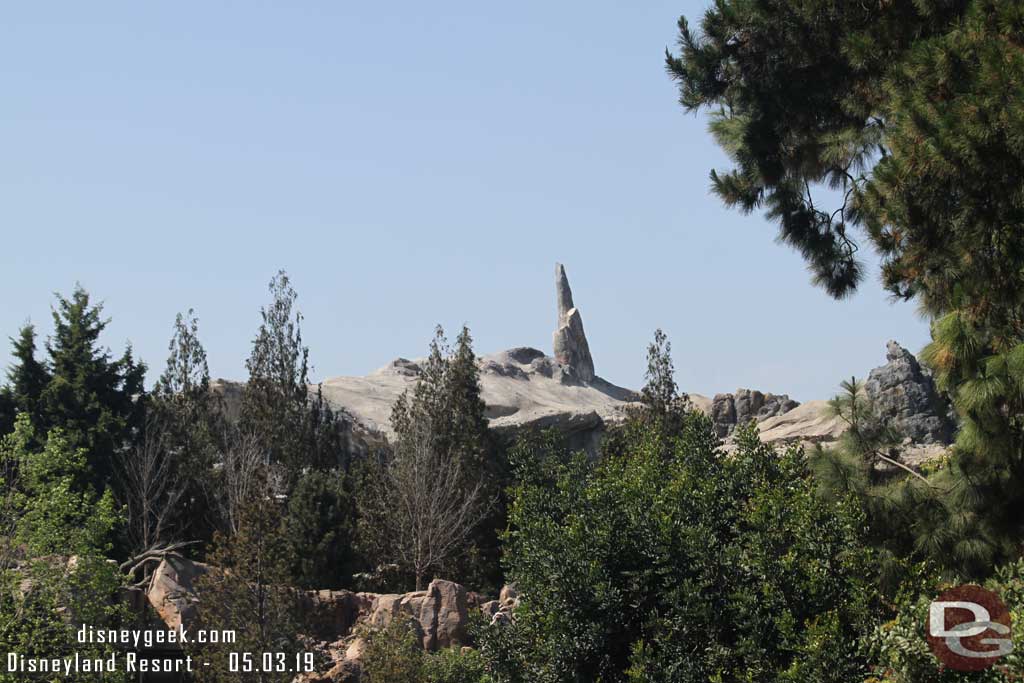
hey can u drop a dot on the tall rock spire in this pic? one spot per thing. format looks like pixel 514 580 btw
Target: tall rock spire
pixel 570 341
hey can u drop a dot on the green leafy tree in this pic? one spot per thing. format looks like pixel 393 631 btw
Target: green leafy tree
pixel 60 511
pixel 899 648
pixel 700 567
pixel 299 429
pixel 63 530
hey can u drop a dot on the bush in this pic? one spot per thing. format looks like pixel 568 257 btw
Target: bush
pixel 393 654
pixel 901 654
pixel 453 666
pixel 670 561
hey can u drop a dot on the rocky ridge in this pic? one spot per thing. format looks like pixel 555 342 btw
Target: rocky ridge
pixel 525 388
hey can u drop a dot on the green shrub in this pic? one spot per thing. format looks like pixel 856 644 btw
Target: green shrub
pixel 901 654
pixel 454 666
pixel 670 561
pixel 393 654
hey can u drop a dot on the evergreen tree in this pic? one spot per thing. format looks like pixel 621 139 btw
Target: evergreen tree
pixel 320 528
pixel 97 402
pixel 440 465
pixel 8 410
pixel 299 430
pixel 28 376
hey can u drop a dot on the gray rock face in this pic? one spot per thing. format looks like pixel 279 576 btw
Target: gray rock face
pixel 570 341
pixel 905 398
pixel 729 411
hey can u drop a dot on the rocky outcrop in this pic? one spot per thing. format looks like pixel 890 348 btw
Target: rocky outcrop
pixel 523 387
pixel 808 423
pixel 905 398
pixel 439 614
pixel 729 411
pixel 570 341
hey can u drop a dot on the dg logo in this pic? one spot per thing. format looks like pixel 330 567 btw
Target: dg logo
pixel 969 628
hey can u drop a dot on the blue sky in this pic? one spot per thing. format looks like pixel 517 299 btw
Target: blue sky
pixel 408 164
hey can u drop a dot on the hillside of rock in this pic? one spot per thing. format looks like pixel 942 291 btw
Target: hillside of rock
pixel 526 388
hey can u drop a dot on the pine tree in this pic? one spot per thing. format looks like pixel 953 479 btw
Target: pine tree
pixel 8 410
pixel 98 402
pixel 320 528
pixel 912 111
pixel 27 377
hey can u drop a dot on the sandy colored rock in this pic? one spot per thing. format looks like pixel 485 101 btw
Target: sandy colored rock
pixel 452 613
pixel 806 423
pixel 172 590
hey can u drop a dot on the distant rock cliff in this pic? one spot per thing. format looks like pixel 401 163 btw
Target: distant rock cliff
pixel 523 388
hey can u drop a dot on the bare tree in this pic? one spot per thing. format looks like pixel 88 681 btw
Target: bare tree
pixel 151 486
pixel 240 477
pixel 421 504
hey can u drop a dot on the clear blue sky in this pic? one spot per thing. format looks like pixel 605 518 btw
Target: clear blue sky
pixel 408 163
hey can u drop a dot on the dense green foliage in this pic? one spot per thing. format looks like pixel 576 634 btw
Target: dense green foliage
pixel 56 577
pixel 900 652
pixel 394 655
pixel 58 511
pixel 97 401
pixel 693 567
pixel 320 528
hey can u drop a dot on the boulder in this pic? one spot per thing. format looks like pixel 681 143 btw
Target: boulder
pixel 452 613
pixel 172 590
pixel 440 614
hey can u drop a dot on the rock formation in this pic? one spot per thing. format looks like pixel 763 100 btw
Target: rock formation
pixel 440 614
pixel 905 398
pixel 570 341
pixel 729 411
